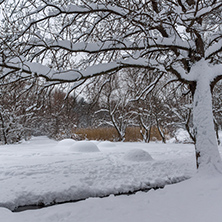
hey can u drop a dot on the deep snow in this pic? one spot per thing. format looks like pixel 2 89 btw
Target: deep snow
pixel 43 171
pixel 195 200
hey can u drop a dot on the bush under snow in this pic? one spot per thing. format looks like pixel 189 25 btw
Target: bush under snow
pixel 66 142
pixel 85 147
pixel 181 136
pixel 137 155
pixel 107 144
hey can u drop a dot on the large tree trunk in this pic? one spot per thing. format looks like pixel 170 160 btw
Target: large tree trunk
pixel 207 153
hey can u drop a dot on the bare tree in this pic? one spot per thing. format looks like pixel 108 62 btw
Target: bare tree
pixel 145 101
pixel 18 105
pixel 182 37
pixel 57 114
pixel 114 101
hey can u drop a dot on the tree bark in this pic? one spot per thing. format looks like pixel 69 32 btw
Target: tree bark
pixel 161 132
pixel 207 154
pixel 3 129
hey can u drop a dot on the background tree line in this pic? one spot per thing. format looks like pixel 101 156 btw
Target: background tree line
pixel 118 102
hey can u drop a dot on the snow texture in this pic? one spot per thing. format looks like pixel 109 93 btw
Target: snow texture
pixel 41 165
pixel 206 143
pixel 42 172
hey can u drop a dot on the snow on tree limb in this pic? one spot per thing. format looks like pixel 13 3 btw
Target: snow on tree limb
pixel 140 32
pixel 39 70
pixel 106 46
pixel 214 48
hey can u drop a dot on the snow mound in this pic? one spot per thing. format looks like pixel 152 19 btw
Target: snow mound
pixel 85 147
pixel 182 136
pixel 107 144
pixel 95 141
pixel 38 139
pixel 137 155
pixel 66 142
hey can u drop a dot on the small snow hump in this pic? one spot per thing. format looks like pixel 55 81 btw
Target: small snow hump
pixel 66 142
pixel 107 144
pixel 84 147
pixel 137 155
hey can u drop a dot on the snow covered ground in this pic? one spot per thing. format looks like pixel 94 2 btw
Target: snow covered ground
pixel 43 171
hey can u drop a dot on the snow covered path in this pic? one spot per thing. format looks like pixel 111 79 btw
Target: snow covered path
pixel 188 201
pixel 43 171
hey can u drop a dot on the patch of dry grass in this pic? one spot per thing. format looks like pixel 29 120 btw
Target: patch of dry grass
pixel 103 133
pixel 109 133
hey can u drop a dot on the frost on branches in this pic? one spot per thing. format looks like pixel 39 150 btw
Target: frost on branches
pixel 78 40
